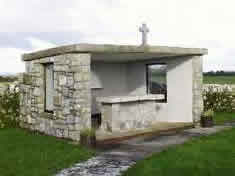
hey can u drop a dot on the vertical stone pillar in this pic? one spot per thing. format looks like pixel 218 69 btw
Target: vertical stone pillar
pixel 31 94
pixel 82 93
pixel 106 111
pixel 72 98
pixel 197 88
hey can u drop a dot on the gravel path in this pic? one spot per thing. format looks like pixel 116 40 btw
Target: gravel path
pixel 116 159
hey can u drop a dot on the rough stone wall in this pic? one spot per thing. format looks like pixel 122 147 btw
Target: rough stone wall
pixel 197 88
pixel 71 99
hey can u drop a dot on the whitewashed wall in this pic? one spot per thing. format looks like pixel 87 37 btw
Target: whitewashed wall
pixel 107 80
pixel 123 79
pixel 136 78
pixel 179 91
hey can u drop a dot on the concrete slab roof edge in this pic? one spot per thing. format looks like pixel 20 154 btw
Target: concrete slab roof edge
pixel 108 48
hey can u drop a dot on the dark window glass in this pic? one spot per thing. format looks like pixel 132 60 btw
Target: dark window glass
pixel 156 79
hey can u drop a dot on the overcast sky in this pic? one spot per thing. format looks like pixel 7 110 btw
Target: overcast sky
pixel 32 25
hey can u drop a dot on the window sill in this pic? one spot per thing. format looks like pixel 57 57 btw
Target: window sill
pixel 125 99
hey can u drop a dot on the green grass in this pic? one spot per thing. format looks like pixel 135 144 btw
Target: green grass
pixel 206 156
pixel 222 117
pixel 219 79
pixel 26 154
pixel 4 83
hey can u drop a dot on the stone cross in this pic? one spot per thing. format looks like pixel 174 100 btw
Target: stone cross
pixel 144 30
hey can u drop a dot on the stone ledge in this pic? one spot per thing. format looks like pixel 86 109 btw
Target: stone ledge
pixel 126 99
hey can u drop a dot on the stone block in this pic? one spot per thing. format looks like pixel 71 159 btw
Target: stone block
pixel 36 91
pixel 40 108
pixel 82 76
pixel 41 127
pixel 34 109
pixel 70 120
pixel 75 68
pixel 44 60
pixel 77 126
pixel 35 68
pixel 27 79
pixel 70 81
pixel 28 66
pixel 60 123
pixel 45 115
pixel 62 133
pixel 57 100
pixel 62 80
pixel 74 135
pixel 65 92
pixel 70 93
pixel 106 118
pixel 80 68
pixel 66 102
pixel 60 60
pixel 82 85
pixel 29 119
pixel 59 115
pixel 61 68
pixel 20 78
pixel 79 59
pixel 86 69
pixel 71 127
pixel 37 81
pixel 66 110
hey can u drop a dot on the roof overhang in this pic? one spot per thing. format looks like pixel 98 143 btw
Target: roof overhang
pixel 118 53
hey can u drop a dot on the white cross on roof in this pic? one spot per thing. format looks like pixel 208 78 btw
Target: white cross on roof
pixel 144 30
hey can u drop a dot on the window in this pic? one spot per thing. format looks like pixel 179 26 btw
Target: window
pixel 156 79
pixel 49 87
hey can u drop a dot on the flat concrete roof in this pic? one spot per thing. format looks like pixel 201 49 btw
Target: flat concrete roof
pixel 120 52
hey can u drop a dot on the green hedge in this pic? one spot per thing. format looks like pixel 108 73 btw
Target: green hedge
pixel 220 100
pixel 9 108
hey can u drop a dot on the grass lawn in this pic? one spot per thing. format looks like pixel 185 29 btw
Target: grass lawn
pixel 222 117
pixel 219 79
pixel 205 156
pixel 26 154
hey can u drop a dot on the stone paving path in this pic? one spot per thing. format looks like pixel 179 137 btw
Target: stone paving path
pixel 114 159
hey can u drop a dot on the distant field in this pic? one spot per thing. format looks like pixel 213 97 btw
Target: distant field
pixel 3 86
pixel 4 83
pixel 219 79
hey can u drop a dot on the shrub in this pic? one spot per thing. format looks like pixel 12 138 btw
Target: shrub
pixel 88 132
pixel 88 137
pixel 9 107
pixel 217 99
pixel 208 113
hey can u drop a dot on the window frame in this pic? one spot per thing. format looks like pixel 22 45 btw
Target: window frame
pixel 44 82
pixel 147 78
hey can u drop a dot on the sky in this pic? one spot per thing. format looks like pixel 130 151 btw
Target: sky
pixel 32 25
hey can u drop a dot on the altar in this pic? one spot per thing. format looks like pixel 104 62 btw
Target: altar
pixel 126 113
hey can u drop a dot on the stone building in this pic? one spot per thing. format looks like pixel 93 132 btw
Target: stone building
pixel 128 87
